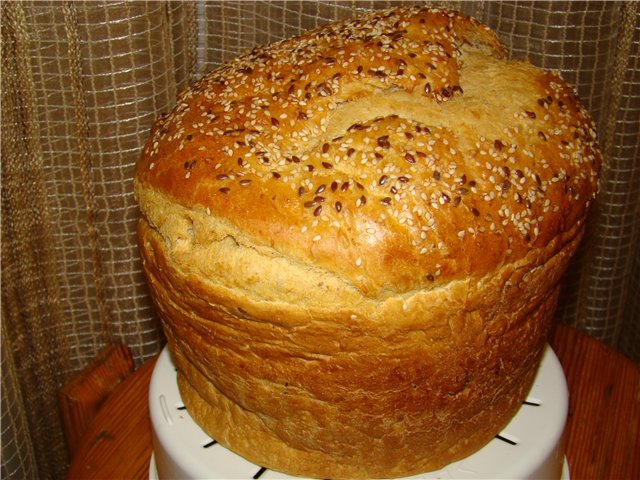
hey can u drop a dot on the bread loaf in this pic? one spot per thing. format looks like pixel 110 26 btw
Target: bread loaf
pixel 354 240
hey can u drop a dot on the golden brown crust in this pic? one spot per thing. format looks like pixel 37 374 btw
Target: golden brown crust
pixel 367 223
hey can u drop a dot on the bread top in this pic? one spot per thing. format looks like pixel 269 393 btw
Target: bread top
pixel 399 151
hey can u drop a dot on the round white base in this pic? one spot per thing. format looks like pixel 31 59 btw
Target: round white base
pixel 530 447
pixel 153 471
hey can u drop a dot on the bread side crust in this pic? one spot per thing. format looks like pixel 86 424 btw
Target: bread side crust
pixel 367 390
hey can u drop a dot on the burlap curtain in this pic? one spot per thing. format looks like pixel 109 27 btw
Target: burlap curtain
pixel 83 81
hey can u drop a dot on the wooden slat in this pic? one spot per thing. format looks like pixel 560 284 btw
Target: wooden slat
pixel 81 398
pixel 603 437
pixel 118 442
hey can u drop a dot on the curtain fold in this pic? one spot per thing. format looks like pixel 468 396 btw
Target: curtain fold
pixel 607 284
pixel 18 455
pixel 32 313
pixel 83 81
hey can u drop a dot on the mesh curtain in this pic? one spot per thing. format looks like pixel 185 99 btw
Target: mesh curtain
pixel 82 83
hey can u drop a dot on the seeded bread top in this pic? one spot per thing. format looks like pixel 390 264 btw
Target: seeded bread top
pixel 399 151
